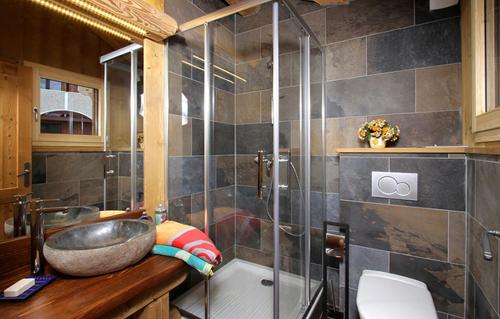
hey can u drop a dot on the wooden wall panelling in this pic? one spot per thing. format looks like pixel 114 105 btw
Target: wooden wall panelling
pixel 31 33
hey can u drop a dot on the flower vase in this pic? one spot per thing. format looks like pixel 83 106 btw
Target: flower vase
pixel 377 142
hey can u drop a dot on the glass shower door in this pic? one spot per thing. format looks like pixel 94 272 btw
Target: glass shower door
pixel 293 168
pixel 301 200
pixel 123 170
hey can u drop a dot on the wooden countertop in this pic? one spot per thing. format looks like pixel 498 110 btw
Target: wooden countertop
pixel 94 297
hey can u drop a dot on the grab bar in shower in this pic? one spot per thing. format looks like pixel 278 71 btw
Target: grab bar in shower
pixel 487 252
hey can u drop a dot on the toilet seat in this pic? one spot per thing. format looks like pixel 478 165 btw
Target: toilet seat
pixel 383 295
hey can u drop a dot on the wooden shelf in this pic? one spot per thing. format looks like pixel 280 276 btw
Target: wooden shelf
pixel 486 150
pixel 406 150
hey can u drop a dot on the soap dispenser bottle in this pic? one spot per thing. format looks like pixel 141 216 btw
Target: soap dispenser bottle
pixel 160 214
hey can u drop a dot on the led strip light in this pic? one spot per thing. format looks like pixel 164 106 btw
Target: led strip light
pixel 97 11
pixel 81 18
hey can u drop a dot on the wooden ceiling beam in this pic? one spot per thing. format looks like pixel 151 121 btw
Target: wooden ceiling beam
pixel 332 2
pixel 247 12
pixel 157 25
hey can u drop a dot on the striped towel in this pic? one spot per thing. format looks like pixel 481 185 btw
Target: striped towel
pixel 197 263
pixel 189 239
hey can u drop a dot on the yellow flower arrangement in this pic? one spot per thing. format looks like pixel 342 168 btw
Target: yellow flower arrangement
pixel 379 128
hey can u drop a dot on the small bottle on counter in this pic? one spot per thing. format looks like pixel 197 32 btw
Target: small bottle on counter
pixel 160 214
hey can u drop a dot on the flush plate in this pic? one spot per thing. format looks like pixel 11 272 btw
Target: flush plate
pixel 395 185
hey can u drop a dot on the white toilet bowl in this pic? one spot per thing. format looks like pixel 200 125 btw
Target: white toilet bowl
pixel 383 295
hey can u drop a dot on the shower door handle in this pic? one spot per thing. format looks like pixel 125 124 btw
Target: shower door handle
pixel 260 173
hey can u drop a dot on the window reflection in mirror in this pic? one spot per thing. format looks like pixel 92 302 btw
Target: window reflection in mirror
pixel 67 108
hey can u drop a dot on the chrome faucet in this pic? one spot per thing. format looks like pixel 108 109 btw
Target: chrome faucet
pixel 20 214
pixel 38 212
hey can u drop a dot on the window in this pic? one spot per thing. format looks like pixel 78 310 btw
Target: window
pixel 67 110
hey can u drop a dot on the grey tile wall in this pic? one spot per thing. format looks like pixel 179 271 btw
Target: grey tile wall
pixel 444 280
pixel 75 178
pixel 441 182
pixel 483 214
pixel 415 231
pixel 355 177
pixel 427 129
pixel 382 62
pixel 394 59
pixel 445 253
pixel 360 18
pixel 420 46
pixel 425 239
pixel 379 94
pixel 422 13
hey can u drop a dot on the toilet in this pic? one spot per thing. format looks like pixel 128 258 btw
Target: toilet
pixel 382 295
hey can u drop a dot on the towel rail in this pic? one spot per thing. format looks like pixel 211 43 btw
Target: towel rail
pixel 487 252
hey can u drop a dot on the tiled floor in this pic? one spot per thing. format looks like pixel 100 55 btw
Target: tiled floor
pixel 236 291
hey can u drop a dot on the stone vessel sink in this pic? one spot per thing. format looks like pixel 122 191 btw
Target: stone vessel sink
pixel 100 248
pixel 74 215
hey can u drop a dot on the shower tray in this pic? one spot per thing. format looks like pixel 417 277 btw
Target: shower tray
pixel 241 289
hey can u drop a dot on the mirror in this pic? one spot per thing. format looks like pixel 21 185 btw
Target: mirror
pixel 53 115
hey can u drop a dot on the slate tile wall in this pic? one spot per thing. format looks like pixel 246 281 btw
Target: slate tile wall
pixel 424 239
pixel 75 178
pixel 483 213
pixel 394 59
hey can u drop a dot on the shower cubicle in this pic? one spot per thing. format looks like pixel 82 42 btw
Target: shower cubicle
pixel 246 157
pixel 123 118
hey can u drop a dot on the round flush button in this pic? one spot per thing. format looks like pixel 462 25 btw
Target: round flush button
pixel 403 189
pixel 387 185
